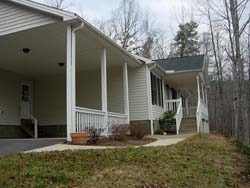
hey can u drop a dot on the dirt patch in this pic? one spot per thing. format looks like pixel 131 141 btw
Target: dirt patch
pixel 127 142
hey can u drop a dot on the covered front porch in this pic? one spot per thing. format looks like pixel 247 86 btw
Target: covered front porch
pixel 64 77
pixel 186 95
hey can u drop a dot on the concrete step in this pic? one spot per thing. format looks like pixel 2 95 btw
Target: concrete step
pixel 188 125
pixel 189 121
pixel 188 132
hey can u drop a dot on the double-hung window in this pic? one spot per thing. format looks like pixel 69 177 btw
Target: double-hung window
pixel 156 90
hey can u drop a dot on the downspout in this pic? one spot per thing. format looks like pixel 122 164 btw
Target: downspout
pixel 150 100
pixel 78 28
pixel 73 75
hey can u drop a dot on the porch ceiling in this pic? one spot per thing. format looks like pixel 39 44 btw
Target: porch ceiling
pixel 48 48
pixel 184 80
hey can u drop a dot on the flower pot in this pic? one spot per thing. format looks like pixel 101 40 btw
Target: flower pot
pixel 79 138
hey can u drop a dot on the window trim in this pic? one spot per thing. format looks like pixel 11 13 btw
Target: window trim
pixel 156 90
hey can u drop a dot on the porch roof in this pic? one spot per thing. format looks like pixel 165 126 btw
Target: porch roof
pixel 187 63
pixel 75 20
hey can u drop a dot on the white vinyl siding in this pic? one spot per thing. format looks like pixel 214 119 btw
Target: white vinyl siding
pixel 88 90
pixel 10 98
pixel 115 90
pixel 14 18
pixel 50 100
pixel 157 112
pixel 138 93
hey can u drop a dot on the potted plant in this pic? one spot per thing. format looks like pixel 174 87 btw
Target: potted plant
pixel 79 138
pixel 168 122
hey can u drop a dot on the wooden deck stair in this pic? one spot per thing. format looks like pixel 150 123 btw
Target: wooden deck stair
pixel 188 125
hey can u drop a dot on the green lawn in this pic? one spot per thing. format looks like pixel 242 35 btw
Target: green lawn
pixel 201 161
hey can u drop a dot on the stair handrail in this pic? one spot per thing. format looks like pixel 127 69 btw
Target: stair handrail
pixel 35 121
pixel 201 112
pixel 179 116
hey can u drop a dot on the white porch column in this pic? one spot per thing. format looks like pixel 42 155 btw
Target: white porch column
pixel 125 90
pixel 73 88
pixel 69 82
pixel 206 96
pixel 104 84
pixel 164 95
pixel 203 92
pixel 187 101
pixel 198 87
pixel 199 99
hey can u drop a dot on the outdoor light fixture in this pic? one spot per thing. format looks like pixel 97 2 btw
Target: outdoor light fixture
pixel 60 64
pixel 26 50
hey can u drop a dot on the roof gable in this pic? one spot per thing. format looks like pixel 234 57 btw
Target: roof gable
pixel 187 63
pixel 15 17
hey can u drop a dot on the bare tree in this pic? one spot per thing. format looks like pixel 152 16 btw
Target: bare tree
pixel 134 30
pixel 161 48
pixel 126 24
pixel 60 4
pixel 228 20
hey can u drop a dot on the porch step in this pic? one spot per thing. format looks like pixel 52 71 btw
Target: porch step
pixel 188 125
pixel 28 127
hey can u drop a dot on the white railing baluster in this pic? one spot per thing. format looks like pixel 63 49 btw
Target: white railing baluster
pixel 86 119
pixel 201 114
pixel 176 106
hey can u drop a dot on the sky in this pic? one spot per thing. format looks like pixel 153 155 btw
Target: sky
pixel 165 13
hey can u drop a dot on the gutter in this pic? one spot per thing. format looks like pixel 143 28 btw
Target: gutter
pixel 79 27
pixel 154 66
pixel 110 41
pixel 178 72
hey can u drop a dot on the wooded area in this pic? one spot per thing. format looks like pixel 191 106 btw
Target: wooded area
pixel 226 43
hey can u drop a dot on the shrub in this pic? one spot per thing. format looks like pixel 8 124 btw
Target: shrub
pixel 120 132
pixel 94 136
pixel 167 121
pixel 138 131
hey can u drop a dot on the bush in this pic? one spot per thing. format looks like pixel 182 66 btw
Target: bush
pixel 138 131
pixel 167 121
pixel 120 132
pixel 94 136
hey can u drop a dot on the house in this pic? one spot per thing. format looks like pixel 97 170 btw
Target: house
pixel 59 75
pixel 173 84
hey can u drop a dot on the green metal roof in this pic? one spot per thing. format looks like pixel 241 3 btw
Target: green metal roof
pixel 187 63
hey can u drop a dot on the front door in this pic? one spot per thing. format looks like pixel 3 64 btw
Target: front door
pixel 26 99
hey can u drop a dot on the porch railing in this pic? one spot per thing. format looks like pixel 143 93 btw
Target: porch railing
pixel 201 114
pixel 176 106
pixel 117 119
pixel 189 111
pixel 87 119
pixel 35 123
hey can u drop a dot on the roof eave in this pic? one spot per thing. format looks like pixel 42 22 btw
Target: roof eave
pixel 65 15
pixel 72 17
pixel 186 71
pixel 110 41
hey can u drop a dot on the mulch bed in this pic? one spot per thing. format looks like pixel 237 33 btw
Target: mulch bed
pixel 128 142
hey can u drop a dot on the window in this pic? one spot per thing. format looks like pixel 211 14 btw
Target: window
pixel 25 93
pixel 156 90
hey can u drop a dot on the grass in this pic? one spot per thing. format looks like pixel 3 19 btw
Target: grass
pixel 126 142
pixel 201 161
